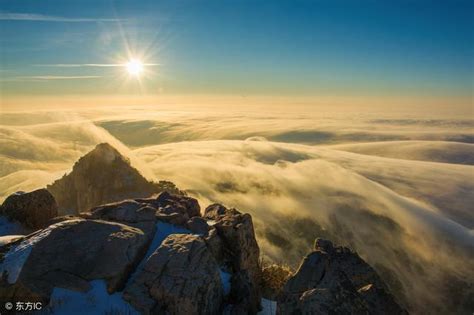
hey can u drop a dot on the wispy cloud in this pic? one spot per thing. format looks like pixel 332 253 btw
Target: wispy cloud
pixel 50 77
pixel 5 16
pixel 60 77
pixel 78 65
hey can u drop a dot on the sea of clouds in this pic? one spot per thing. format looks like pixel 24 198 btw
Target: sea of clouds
pixel 395 187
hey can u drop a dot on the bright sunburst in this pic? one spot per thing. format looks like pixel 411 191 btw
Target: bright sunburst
pixel 134 67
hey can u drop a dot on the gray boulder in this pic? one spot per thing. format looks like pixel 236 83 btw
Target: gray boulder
pixel 242 252
pixel 198 225
pixel 180 277
pixel 130 212
pixel 168 203
pixel 69 254
pixel 33 209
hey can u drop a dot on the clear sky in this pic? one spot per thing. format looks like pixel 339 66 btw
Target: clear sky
pixel 238 47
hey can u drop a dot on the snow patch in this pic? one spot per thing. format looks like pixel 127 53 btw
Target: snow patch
pixel 268 307
pixel 163 230
pixel 225 278
pixel 16 256
pixel 8 227
pixel 95 301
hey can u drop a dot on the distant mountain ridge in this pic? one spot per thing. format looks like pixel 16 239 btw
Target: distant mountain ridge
pixel 102 176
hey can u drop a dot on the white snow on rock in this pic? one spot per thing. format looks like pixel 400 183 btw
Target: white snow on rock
pixel 163 230
pixel 8 227
pixel 225 278
pixel 95 301
pixel 16 257
pixel 268 307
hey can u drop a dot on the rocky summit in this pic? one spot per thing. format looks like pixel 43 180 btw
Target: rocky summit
pixel 102 176
pixel 164 255
pixel 334 280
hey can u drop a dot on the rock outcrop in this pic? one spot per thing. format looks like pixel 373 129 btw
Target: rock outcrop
pixel 180 277
pixel 334 280
pixel 187 265
pixel 99 177
pixel 241 251
pixel 32 209
pixel 130 212
pixel 69 254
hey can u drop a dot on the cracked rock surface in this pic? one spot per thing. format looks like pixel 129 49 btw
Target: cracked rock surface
pixel 58 257
pixel 334 280
pixel 180 277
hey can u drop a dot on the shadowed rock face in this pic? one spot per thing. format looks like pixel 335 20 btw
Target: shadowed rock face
pixel 33 209
pixel 69 254
pixel 334 280
pixel 129 212
pixel 102 176
pixel 180 277
pixel 242 251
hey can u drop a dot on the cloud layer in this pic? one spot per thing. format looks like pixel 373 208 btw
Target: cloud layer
pixel 398 190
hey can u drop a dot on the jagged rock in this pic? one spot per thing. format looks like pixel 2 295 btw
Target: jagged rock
pixel 215 210
pixel 323 245
pixel 215 244
pixel 242 251
pixel 69 254
pixel 198 225
pixel 338 298
pixel 130 212
pixel 172 218
pixel 172 203
pixel 180 277
pixel 33 209
pixel 99 177
pixel 334 280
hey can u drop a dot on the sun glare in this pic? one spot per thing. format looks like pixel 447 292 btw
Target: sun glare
pixel 134 67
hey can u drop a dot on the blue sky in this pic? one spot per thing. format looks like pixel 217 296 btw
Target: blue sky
pixel 239 47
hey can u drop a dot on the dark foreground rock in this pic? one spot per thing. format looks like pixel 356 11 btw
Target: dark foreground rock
pixel 130 212
pixel 192 264
pixel 69 254
pixel 184 265
pixel 241 251
pixel 32 209
pixel 334 280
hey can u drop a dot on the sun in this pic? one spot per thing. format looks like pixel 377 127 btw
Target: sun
pixel 134 67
